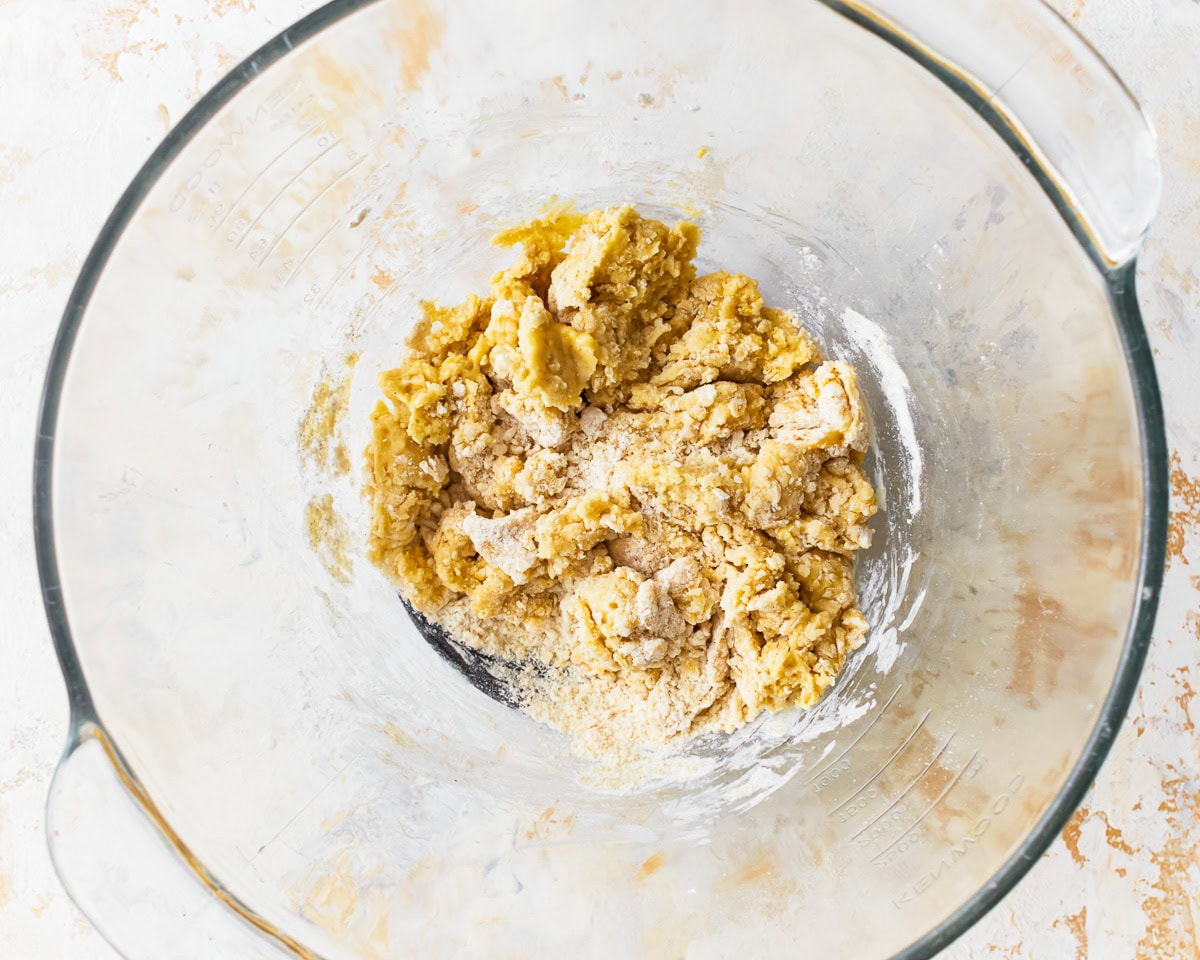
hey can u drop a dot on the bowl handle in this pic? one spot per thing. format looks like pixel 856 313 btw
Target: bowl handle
pixel 1050 95
pixel 131 876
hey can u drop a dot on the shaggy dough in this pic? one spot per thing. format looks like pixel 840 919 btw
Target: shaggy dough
pixel 639 488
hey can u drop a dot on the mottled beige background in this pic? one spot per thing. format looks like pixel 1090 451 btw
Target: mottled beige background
pixel 88 88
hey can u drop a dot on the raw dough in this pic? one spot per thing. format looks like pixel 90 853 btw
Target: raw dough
pixel 638 487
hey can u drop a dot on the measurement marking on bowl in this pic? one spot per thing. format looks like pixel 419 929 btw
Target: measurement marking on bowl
pixel 313 799
pixel 362 321
pixel 940 797
pixel 887 763
pixel 346 269
pixel 920 776
pixel 350 208
pixel 261 173
pixel 304 209
pixel 874 720
pixel 299 173
pixel 375 245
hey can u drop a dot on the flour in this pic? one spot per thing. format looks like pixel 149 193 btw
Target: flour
pixel 872 341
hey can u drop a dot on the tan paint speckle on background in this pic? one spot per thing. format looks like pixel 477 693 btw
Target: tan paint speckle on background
pixel 222 7
pixel 1172 905
pixel 1185 510
pixel 1076 923
pixel 417 41
pixel 651 866
pixel 1071 833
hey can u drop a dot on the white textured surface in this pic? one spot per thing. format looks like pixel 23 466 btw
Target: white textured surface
pixel 88 89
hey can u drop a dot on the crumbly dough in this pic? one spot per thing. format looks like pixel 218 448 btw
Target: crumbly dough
pixel 639 488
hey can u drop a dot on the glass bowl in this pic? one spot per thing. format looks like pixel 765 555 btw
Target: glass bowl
pixel 267 760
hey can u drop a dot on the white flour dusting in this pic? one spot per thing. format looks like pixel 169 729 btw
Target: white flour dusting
pixel 873 343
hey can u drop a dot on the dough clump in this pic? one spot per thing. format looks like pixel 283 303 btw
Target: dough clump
pixel 638 488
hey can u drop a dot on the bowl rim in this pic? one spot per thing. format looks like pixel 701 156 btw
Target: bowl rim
pixel 1121 284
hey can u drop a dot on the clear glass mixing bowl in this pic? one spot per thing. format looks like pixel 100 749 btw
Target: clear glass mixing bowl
pixel 267 760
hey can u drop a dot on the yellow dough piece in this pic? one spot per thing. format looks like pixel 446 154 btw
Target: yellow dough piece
pixel 559 359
